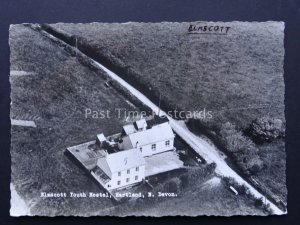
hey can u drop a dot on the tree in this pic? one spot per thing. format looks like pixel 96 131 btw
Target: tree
pixel 243 150
pixel 266 129
pixel 259 203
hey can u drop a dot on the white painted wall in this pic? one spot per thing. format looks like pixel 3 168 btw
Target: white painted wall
pixel 123 178
pixel 104 166
pixel 160 147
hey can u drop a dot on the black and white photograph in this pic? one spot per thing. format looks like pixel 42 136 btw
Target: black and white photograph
pixel 147 119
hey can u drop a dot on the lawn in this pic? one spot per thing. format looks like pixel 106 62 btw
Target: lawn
pixel 204 197
pixel 199 201
pixel 56 95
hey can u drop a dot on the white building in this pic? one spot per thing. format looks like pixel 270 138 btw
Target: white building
pixel 127 166
pixel 119 160
pixel 157 139
pixel 120 169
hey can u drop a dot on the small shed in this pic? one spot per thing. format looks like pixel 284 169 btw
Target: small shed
pixel 141 124
pixel 101 139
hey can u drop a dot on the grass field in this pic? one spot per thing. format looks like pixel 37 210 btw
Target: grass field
pixel 200 199
pixel 273 176
pixel 238 77
pixel 203 197
pixel 56 92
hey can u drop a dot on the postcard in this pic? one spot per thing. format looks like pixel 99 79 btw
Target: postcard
pixel 147 119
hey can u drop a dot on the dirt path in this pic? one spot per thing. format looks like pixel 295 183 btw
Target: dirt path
pixel 23 123
pixel 20 73
pixel 213 182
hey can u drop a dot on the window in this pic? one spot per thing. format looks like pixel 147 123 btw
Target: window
pixel 137 169
pixel 136 177
pixel 168 143
pixel 119 182
pixel 119 174
pixel 153 147
pixel 128 171
pixel 127 180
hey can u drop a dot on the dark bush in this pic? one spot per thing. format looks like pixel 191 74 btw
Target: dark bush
pixel 184 181
pixel 173 186
pixel 211 167
pixel 241 148
pixel 266 129
pixel 259 203
pixel 243 190
pixel 255 169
